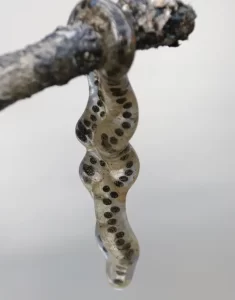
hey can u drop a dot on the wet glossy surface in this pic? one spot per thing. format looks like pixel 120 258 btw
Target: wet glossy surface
pixel 182 206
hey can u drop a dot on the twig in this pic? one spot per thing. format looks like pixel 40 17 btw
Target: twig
pixel 73 51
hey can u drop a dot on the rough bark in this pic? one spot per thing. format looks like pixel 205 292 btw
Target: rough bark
pixel 72 51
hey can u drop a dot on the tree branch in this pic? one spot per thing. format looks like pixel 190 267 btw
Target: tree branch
pixel 76 50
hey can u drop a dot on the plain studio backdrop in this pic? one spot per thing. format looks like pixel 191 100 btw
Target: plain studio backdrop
pixel 182 206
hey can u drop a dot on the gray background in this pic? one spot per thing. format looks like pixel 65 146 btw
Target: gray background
pixel 182 206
